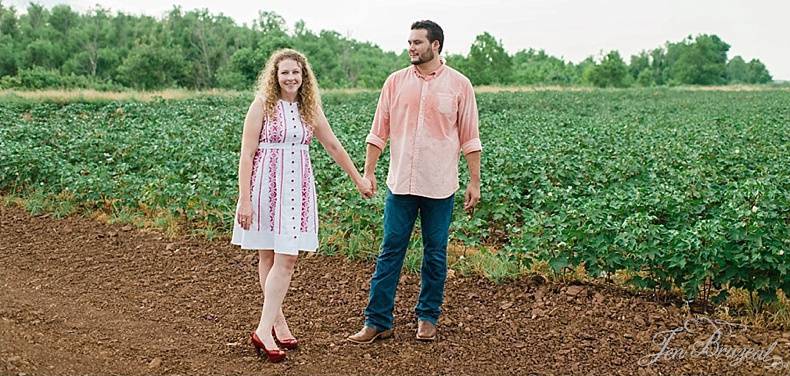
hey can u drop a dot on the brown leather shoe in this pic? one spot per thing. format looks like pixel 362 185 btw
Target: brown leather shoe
pixel 368 335
pixel 425 331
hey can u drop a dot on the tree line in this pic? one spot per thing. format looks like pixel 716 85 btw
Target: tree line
pixel 700 60
pixel 62 48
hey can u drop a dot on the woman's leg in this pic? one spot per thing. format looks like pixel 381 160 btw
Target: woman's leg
pixel 265 262
pixel 277 282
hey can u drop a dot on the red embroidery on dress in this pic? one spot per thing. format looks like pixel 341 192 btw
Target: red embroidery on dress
pixel 284 123
pixel 272 188
pixel 312 192
pixel 264 136
pixel 305 195
pixel 274 127
pixel 307 132
pixel 255 163
pixel 282 172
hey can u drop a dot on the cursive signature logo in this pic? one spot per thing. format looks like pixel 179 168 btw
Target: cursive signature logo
pixel 710 347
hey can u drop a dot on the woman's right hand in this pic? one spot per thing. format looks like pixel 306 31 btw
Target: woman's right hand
pixel 244 214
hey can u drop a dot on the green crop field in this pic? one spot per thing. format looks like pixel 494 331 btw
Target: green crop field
pixel 681 188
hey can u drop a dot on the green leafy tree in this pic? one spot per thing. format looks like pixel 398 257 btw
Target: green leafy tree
pixel 95 45
pixel 611 72
pixel 41 53
pixel 488 61
pixel 737 70
pixel 646 68
pixel 9 24
pixel 459 62
pixel 8 60
pixel 639 63
pixel 584 69
pixel 536 67
pixel 241 70
pixel 698 61
pixel 659 66
pixel 270 23
pixel 152 67
pixel 646 77
pixel 63 19
pixel 200 36
pixel 758 73
pixel 33 24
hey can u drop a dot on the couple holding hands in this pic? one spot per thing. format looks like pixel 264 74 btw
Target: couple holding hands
pixel 426 111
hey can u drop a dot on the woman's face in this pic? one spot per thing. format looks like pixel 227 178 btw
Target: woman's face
pixel 289 76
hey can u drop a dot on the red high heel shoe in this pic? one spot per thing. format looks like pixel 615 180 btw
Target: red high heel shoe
pixel 274 356
pixel 290 344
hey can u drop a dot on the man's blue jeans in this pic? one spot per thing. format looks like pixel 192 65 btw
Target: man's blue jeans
pixel 400 213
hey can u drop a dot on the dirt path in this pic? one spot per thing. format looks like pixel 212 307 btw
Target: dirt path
pixel 80 297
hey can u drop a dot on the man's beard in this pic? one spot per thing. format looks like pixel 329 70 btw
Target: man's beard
pixel 423 58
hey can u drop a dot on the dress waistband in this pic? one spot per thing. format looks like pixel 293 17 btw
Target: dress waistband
pixel 283 145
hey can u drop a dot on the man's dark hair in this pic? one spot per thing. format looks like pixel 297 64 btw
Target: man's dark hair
pixel 435 31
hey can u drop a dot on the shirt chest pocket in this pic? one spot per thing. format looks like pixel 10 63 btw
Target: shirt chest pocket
pixel 446 104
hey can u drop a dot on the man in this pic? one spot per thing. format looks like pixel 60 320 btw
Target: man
pixel 429 113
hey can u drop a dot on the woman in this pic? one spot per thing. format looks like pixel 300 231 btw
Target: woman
pixel 276 212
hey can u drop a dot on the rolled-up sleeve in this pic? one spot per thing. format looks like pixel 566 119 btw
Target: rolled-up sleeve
pixel 380 130
pixel 468 132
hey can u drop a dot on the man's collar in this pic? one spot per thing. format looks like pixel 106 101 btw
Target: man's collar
pixel 433 74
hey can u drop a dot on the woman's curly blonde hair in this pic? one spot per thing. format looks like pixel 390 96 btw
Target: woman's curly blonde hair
pixel 268 87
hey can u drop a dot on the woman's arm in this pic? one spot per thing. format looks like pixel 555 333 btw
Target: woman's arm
pixel 249 145
pixel 323 132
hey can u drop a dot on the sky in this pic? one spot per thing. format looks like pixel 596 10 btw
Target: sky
pixel 570 29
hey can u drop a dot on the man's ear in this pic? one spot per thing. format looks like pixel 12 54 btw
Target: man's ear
pixel 436 44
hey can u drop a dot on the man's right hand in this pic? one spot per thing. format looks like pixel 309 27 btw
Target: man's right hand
pixel 372 154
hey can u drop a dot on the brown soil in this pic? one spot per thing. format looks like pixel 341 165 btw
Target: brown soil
pixel 81 297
